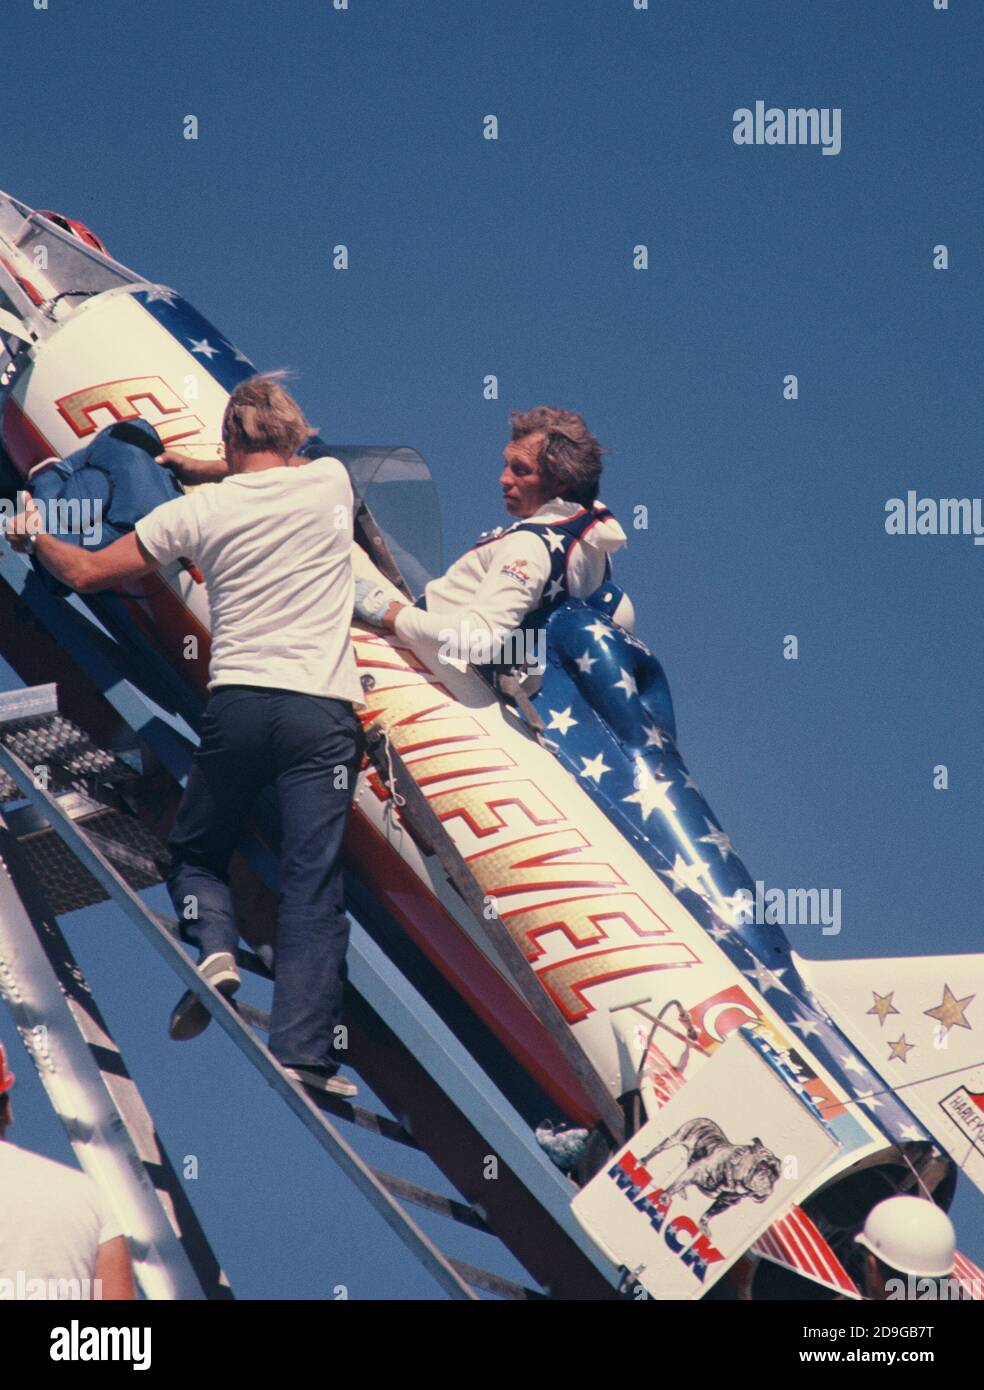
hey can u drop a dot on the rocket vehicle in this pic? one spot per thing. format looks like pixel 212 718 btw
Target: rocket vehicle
pixel 537 846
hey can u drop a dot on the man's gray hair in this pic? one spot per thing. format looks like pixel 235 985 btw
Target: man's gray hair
pixel 570 457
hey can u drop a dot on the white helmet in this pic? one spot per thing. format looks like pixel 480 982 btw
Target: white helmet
pixel 910 1234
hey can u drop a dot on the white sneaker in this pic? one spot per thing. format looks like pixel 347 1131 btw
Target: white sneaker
pixel 189 1017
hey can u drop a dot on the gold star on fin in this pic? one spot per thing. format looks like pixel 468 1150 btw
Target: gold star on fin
pixel 951 1012
pixel 882 1006
pixel 899 1049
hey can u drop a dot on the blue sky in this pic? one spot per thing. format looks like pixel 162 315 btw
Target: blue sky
pixel 514 257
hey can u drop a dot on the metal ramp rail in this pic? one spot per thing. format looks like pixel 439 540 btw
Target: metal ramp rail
pixel 449 1106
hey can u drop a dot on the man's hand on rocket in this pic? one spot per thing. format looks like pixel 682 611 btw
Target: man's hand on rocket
pixel 190 470
pixel 373 606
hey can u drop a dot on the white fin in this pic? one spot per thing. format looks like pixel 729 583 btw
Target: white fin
pixel 919 1020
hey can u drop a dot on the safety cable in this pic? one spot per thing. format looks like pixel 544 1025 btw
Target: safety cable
pixel 905 1085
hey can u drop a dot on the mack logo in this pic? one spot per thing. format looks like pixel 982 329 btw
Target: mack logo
pixel 681 1234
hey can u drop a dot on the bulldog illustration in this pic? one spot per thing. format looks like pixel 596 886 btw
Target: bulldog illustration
pixel 727 1172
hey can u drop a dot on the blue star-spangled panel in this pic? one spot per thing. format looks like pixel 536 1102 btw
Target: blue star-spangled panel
pixel 193 331
pixel 605 703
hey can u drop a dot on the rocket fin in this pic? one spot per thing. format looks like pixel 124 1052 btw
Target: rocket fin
pixel 919 1020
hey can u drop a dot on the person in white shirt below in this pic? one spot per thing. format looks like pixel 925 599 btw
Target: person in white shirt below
pixel 273 540
pixel 557 548
pixel 55 1225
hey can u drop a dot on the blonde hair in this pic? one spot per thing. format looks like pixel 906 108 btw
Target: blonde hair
pixel 261 417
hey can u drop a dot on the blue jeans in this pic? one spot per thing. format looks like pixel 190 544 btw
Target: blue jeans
pixel 310 748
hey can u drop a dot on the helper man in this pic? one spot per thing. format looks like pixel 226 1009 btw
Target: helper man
pixel 273 540
pixel 557 548
pixel 55 1225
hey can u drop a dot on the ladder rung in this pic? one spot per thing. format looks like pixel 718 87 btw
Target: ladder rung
pixel 344 1109
pixel 120 854
pixel 432 1201
pixel 493 1283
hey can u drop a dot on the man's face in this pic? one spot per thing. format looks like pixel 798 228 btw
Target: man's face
pixel 524 487
pixel 876 1277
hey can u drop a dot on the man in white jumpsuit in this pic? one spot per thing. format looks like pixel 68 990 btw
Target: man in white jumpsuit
pixel 514 576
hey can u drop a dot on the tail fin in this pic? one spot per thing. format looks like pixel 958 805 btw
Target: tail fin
pixel 919 1020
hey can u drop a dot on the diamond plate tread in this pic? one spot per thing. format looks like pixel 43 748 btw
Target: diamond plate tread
pixel 72 759
pixel 67 884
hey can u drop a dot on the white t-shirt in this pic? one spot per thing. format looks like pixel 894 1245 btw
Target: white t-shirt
pixel 488 592
pixel 53 1220
pixel 275 550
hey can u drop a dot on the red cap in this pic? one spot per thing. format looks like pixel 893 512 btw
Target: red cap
pixel 6 1077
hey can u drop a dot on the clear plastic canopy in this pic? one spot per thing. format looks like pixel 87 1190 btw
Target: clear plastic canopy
pixel 396 486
